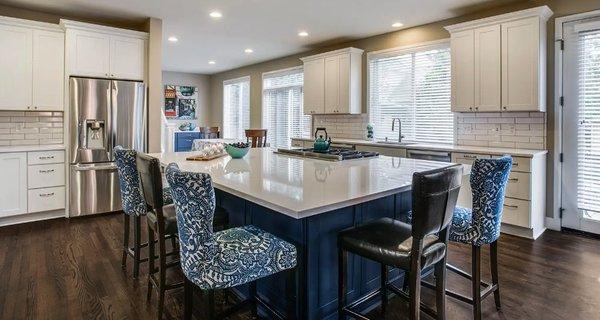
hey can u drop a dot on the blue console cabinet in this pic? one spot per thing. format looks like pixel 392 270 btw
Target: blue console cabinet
pixel 184 140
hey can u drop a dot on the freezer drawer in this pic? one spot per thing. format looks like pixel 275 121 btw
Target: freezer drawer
pixel 94 189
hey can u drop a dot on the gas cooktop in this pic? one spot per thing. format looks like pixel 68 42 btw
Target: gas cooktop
pixel 331 154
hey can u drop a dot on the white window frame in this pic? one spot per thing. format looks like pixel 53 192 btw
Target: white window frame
pixel 554 221
pixel 428 45
pixel 232 81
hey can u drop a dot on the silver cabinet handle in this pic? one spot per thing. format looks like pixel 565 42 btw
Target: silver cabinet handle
pixel 511 206
pixel 45 195
pixel 45 157
pixel 515 164
pixel 46 171
pixel 513 179
pixel 469 156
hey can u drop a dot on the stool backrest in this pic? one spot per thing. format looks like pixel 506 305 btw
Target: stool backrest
pixel 194 199
pixel 150 180
pixel 434 196
pixel 489 178
pixel 129 182
pixel 209 132
pixel 258 137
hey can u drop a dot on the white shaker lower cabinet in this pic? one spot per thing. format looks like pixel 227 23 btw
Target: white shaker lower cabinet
pixel 524 211
pixel 13 189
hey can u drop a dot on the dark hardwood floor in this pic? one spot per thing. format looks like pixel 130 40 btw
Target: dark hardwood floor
pixel 71 269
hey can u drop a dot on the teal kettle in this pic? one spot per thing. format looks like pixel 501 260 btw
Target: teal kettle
pixel 321 144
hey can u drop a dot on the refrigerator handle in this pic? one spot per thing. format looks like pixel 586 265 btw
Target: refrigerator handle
pixel 112 115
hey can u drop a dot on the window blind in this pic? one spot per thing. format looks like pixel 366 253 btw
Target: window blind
pixel 413 85
pixel 283 114
pixel 236 108
pixel 588 131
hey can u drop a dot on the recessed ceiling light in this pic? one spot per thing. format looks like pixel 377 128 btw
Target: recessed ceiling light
pixel 303 34
pixel 211 62
pixel 397 24
pixel 248 50
pixel 173 39
pixel 215 14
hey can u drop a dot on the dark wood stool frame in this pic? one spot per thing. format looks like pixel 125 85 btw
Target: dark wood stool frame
pixel 257 137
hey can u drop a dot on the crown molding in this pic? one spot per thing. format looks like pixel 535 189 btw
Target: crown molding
pixel 332 53
pixel 543 12
pixel 30 24
pixel 70 24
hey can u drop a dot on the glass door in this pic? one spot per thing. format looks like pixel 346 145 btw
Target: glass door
pixel 581 125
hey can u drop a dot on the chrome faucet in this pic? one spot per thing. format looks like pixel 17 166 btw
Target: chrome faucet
pixel 400 136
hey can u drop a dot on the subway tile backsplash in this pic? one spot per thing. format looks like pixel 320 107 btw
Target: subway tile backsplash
pixel 523 130
pixel 20 128
pixel 349 126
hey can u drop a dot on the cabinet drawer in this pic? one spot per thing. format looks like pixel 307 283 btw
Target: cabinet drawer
pixel 516 212
pixel 468 158
pixel 45 157
pixel 46 199
pixel 297 144
pixel 390 152
pixel 519 185
pixel 521 164
pixel 46 175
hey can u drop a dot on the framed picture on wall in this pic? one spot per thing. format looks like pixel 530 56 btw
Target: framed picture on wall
pixel 180 102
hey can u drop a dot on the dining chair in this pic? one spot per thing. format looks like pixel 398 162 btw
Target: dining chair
pixel 257 137
pixel 209 132
pixel 134 205
pixel 412 248
pixel 225 259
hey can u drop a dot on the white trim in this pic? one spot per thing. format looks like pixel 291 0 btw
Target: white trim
pixel 70 24
pixel 543 12
pixel 236 80
pixel 428 45
pixel 332 53
pixel 587 26
pixel 30 24
pixel 554 222
pixel 282 71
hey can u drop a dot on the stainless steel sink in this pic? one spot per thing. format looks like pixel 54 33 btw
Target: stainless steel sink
pixel 395 143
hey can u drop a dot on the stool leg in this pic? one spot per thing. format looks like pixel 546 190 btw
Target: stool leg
pixel 137 239
pixel 150 262
pixel 162 275
pixel 252 291
pixel 211 304
pixel 342 269
pixel 440 289
pixel 494 265
pixel 291 288
pixel 188 290
pixel 476 281
pixel 384 295
pixel 125 240
pixel 415 288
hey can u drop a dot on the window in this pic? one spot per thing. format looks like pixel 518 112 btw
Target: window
pixel 283 114
pixel 236 107
pixel 413 85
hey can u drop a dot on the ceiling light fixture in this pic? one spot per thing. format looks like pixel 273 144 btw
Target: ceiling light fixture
pixel 173 39
pixel 211 62
pixel 215 14
pixel 303 34
pixel 397 24
pixel 248 50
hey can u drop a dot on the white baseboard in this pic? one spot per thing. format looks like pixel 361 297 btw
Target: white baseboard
pixel 31 217
pixel 553 224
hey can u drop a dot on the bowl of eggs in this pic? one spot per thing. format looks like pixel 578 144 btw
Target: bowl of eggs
pixel 237 150
pixel 210 150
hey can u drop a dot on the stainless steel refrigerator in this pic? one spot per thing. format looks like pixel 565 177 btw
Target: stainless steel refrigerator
pixel 103 114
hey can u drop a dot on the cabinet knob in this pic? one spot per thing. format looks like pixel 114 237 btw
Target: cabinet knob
pixel 476 108
pixel 504 108
pixel 470 108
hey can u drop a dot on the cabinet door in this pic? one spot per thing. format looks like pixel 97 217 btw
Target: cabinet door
pixel 332 84
pixel 13 195
pixel 314 86
pixel 520 65
pixel 344 84
pixel 48 70
pixel 462 52
pixel 127 58
pixel 487 69
pixel 89 53
pixel 15 67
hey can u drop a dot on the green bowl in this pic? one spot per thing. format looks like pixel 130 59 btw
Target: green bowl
pixel 236 153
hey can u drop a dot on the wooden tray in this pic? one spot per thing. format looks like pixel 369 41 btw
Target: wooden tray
pixel 205 158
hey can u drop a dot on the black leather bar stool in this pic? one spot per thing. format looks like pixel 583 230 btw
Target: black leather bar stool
pixel 411 248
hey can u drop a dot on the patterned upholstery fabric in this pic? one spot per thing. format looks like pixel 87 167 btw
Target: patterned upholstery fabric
pixel 482 224
pixel 129 183
pixel 224 259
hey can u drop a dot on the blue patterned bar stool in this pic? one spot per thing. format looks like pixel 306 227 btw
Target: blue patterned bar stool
pixel 134 205
pixel 225 259
pixel 481 226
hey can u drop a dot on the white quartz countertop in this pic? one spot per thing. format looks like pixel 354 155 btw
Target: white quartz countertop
pixel 48 147
pixel 301 187
pixel 440 147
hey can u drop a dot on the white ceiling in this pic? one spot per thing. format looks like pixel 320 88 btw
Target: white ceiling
pixel 269 27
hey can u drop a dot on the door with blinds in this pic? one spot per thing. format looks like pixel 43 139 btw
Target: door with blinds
pixel 581 125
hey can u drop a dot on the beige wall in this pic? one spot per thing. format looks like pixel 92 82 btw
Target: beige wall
pixel 429 32
pixel 200 81
pixel 154 82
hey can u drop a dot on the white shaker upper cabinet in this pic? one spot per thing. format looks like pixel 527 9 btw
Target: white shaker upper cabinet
pixel 13 190
pixel 314 86
pixel 89 53
pixel 487 69
pixel 521 65
pixel 332 84
pixel 48 70
pixel 15 67
pixel 127 58
pixel 462 87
